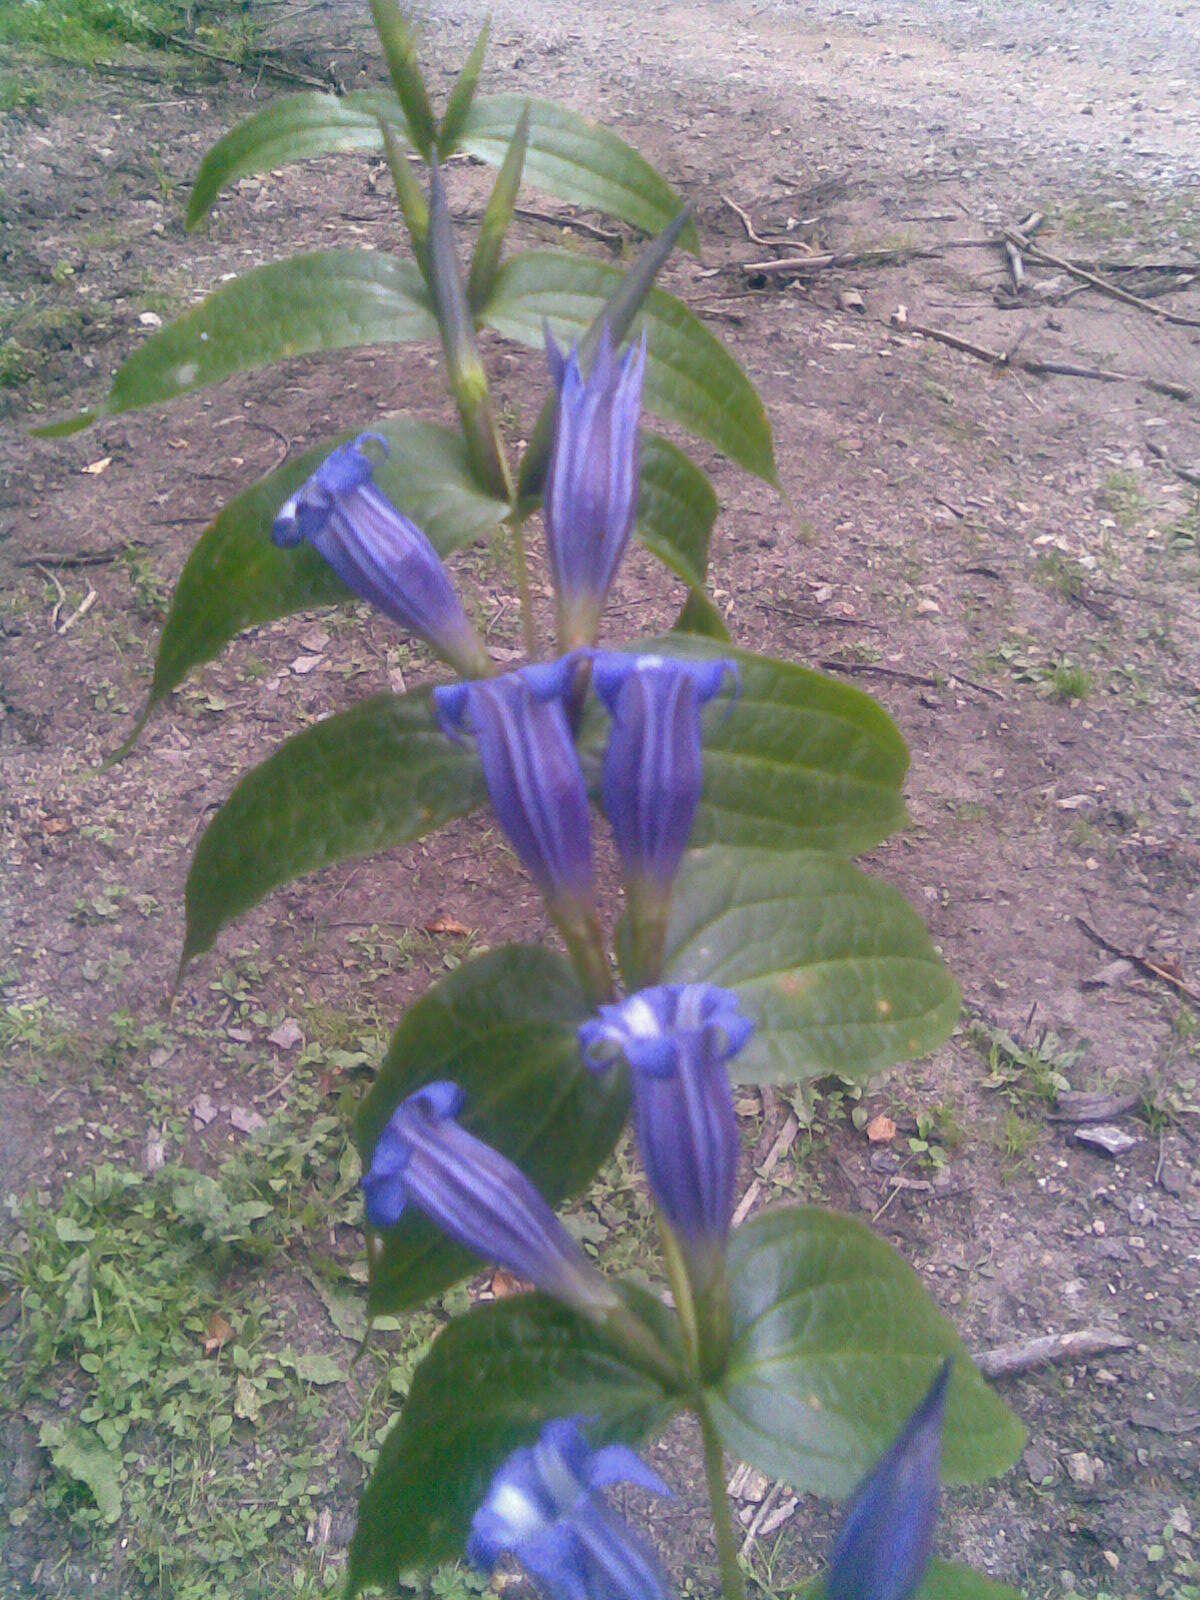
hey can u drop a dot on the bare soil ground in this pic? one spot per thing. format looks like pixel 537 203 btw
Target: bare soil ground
pixel 1009 561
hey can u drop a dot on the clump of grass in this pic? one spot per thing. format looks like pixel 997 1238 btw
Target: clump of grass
pixel 1070 682
pixel 1059 572
pixel 1123 496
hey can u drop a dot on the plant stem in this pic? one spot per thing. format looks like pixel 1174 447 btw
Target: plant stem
pixel 524 592
pixel 733 1582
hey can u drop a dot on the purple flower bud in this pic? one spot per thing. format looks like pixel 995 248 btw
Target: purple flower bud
pixel 677 1039
pixel 885 1541
pixel 378 553
pixel 531 769
pixel 652 770
pixel 591 489
pixel 544 1508
pixel 476 1196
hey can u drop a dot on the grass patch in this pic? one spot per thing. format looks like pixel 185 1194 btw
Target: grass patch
pixel 1069 682
pixel 1123 496
pixel 90 32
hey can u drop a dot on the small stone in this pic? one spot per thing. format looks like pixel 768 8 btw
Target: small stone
pixel 851 300
pixel 1039 1464
pixel 203 1110
pixel 1081 1470
pixel 149 319
pixel 1107 1137
pixel 303 665
pixel 881 1129
pixel 287 1035
pixel 247 1121
pixel 928 608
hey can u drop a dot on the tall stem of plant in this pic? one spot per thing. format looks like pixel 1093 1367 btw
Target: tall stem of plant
pixel 524 591
pixel 733 1582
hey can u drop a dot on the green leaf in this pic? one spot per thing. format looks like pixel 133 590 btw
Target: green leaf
pixel 699 616
pixel 676 510
pixel 490 1381
pixel 833 1343
pixel 836 969
pixel 944 1580
pixel 400 50
pixel 327 300
pixel 569 157
pixel 496 217
pixel 378 775
pixel 462 96
pixel 577 160
pixel 289 129
pixel 504 1028
pixel 798 762
pixel 691 378
pixel 235 577
pixel 77 1453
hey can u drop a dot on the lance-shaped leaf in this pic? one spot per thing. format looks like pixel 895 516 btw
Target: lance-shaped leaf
pixel 943 1580
pixel 676 510
pixel 700 617
pixel 497 216
pixel 836 970
pixel 464 368
pixel 413 207
pixel 462 96
pixel 492 1378
pixel 578 161
pixel 800 762
pixel 400 52
pixel 833 1342
pixel 236 576
pixel 327 300
pixel 569 156
pixel 691 378
pixel 378 775
pixel 618 311
pixel 503 1027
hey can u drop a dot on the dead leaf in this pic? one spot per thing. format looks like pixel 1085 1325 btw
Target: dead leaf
pixel 303 665
pixel 97 467
pixel 447 926
pixel 218 1333
pixel 881 1129
pixel 504 1286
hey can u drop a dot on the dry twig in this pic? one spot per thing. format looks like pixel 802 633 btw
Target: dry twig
pixel 1104 285
pixel 1152 969
pixel 1009 1360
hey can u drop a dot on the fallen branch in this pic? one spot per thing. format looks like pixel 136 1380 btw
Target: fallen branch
pixel 772 1159
pixel 80 611
pixel 1143 963
pixel 766 240
pixel 1104 285
pixel 258 62
pixel 794 266
pixel 877 668
pixel 608 236
pixel 1009 1360
pixel 82 558
pixel 1185 473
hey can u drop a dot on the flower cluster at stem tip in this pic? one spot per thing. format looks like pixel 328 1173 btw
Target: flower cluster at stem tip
pixel 544 1507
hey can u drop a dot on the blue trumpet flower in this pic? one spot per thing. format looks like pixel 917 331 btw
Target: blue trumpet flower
pixel 545 1509
pixel 530 767
pixel 885 1541
pixel 652 767
pixel 476 1196
pixel 379 554
pixel 677 1039
pixel 592 481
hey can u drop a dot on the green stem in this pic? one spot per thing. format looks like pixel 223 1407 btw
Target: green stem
pixel 733 1582
pixel 524 591
pixel 581 933
pixel 681 1292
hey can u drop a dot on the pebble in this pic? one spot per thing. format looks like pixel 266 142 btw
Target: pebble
pixel 1107 1137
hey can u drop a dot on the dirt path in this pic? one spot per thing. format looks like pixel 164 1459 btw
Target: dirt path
pixel 1003 559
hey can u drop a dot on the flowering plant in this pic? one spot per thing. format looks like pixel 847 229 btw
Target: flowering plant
pixel 735 788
